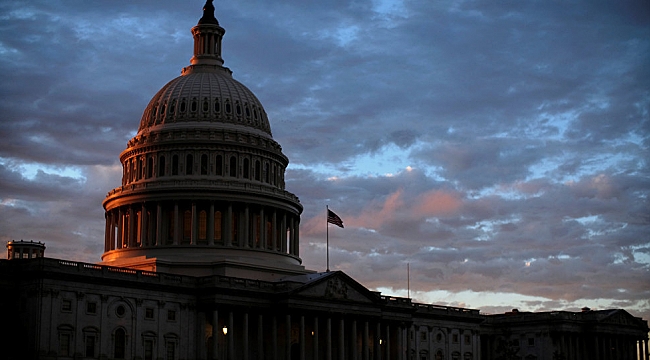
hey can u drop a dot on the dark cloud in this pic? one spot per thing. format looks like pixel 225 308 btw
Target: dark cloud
pixel 498 148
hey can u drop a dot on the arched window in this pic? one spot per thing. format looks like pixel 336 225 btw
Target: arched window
pixel 217 106
pixel 257 170
pixel 246 168
pixel 119 348
pixel 217 227
pixel 149 167
pixel 218 165
pixel 203 224
pixel 175 164
pixel 161 166
pixel 439 355
pixel 189 164
pixel 204 164
pixel 233 166
pixel 187 226
pixel 228 108
pixel 267 173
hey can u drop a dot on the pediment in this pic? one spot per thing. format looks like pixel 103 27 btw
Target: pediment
pixel 620 317
pixel 337 286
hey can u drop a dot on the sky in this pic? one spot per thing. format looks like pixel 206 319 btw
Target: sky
pixel 498 149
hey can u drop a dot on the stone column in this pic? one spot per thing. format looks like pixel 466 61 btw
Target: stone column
pixel 120 229
pixel 195 227
pixel 231 338
pixel 315 338
pixel 159 222
pixel 176 224
pixel 144 241
pixel 353 340
pixel 296 237
pixel 262 230
pixel 387 341
pixel 215 334
pixel 376 344
pixel 328 339
pixel 245 336
pixel 342 339
pixel 364 342
pixel 301 337
pixel 274 334
pixel 131 234
pixel 274 232
pixel 246 226
pixel 106 232
pixel 287 336
pixel 260 336
pixel 211 225
pixel 283 234
pixel 227 234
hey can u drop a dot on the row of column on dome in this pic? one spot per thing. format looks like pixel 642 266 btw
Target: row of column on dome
pixel 230 165
pixel 205 223
pixel 207 107
pixel 238 334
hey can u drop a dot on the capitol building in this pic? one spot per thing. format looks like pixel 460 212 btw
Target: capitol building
pixel 202 261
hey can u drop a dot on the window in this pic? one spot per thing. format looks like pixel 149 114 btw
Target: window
pixel 171 350
pixel 233 166
pixel 217 107
pixel 119 344
pixel 246 169
pixel 218 164
pixel 189 164
pixel 455 355
pixel 439 337
pixel 161 166
pixel 148 349
pixel 175 165
pixel 467 356
pixel 148 313
pixel 91 308
pixel 439 355
pixel 171 315
pixel 217 226
pixel 64 344
pixel 203 224
pixel 423 336
pixel 120 310
pixel 468 339
pixel 149 167
pixel 66 305
pixel 454 338
pixel 91 340
pixel 531 341
pixel 187 225
pixel 204 164
pixel 257 170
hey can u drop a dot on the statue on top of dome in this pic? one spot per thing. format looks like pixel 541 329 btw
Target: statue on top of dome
pixel 208 14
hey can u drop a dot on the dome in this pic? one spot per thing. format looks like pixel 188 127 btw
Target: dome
pixel 207 95
pixel 203 188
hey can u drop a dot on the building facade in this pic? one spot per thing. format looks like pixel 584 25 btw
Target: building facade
pixel 202 261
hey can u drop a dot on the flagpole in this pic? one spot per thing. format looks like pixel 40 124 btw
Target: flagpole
pixel 327 208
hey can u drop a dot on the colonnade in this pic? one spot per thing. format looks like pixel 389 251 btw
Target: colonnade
pixel 602 347
pixel 214 223
pixel 246 335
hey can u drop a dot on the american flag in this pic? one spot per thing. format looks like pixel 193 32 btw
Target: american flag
pixel 332 218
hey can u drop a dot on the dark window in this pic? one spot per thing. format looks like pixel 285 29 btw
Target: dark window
pixel 228 108
pixel 238 109
pixel 148 313
pixel 246 169
pixel 218 164
pixel 183 106
pixel 454 338
pixel 187 226
pixel 172 107
pixel 531 341
pixel 161 166
pixel 150 167
pixel 257 170
pixel 423 335
pixel 171 350
pixel 148 349
pixel 120 310
pixel 91 307
pixel 66 305
pixel 206 105
pixel 194 105
pixel 217 106
pixel 175 165
pixel 204 164
pixel 468 339
pixel 64 344
pixel 233 166
pixel 171 315
pixel 90 346
pixel 189 164
pixel 119 350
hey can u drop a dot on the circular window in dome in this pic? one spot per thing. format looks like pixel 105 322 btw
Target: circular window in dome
pixel 120 310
